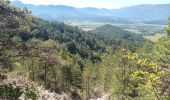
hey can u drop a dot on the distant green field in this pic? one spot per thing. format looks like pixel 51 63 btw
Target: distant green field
pixel 155 37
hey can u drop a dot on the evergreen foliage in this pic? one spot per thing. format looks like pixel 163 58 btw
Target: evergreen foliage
pixel 63 58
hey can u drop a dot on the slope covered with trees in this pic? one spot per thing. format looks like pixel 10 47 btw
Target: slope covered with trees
pixel 63 58
pixel 115 33
pixel 118 33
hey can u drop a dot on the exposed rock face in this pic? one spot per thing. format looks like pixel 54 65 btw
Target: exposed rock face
pixel 104 97
pixel 43 94
pixel 46 95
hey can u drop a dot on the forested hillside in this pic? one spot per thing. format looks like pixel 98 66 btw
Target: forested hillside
pixel 39 57
pixel 117 33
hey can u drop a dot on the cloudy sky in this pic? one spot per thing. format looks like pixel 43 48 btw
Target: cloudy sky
pixel 95 3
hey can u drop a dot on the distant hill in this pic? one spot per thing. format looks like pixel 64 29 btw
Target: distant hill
pixel 117 33
pixel 51 12
pixel 96 11
pixel 67 13
pixel 144 12
pixel 156 14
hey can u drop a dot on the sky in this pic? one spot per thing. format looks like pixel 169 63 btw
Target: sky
pixel 110 4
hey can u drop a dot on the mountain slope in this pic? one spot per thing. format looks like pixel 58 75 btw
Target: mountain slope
pixel 109 30
pixel 95 11
pixel 144 12
pixel 133 13
pixel 118 34
pixel 62 59
pixel 51 12
pixel 115 32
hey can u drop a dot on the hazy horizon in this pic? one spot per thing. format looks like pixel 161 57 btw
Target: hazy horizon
pixel 109 4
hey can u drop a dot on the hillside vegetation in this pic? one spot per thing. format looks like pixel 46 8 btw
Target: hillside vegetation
pixel 117 33
pixel 114 33
pixel 41 60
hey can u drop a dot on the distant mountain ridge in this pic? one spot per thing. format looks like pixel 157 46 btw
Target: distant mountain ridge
pixel 144 12
pixel 157 12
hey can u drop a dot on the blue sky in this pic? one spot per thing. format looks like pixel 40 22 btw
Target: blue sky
pixel 111 4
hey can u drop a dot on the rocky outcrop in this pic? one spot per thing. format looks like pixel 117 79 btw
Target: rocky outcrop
pixel 42 93
pixel 104 97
